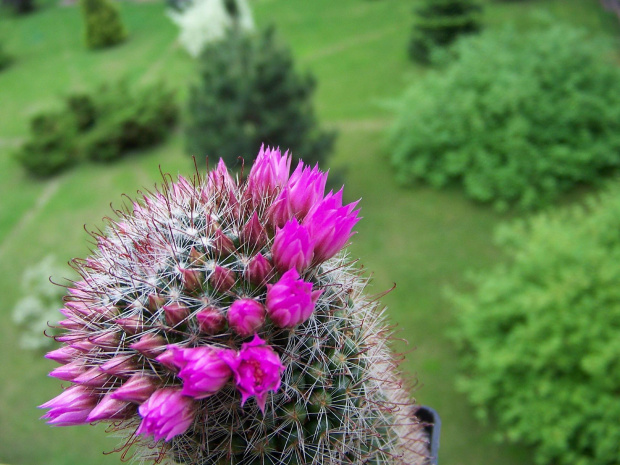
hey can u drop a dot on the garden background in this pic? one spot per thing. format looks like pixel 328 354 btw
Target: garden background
pixel 425 240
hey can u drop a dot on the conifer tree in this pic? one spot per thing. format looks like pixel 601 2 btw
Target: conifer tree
pixel 248 94
pixel 439 23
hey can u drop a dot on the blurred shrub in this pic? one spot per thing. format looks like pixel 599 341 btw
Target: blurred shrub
pixel 130 119
pixel 102 126
pixel 20 6
pixel 52 144
pixel 249 94
pixel 40 304
pixel 516 119
pixel 103 24
pixel 540 337
pixel 439 23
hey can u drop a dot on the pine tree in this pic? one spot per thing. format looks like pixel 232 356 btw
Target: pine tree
pixel 104 27
pixel 439 23
pixel 248 94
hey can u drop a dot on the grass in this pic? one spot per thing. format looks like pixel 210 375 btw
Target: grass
pixel 422 239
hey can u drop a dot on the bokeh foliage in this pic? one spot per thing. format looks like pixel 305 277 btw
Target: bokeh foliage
pixel 248 94
pixel 516 119
pixel 540 335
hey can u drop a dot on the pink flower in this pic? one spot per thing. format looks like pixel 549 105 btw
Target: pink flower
pixel 71 407
pixel 110 408
pixel 305 189
pixel 269 173
pixel 203 372
pixel 166 414
pixel 280 210
pixel 246 316
pixel 330 225
pixel 257 369
pixel 136 389
pixel 291 300
pixel 292 247
pixel 220 180
pixel 258 270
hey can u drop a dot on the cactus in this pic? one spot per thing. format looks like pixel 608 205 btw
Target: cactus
pixel 218 321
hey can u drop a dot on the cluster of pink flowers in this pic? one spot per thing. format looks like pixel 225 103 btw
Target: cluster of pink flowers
pixel 287 227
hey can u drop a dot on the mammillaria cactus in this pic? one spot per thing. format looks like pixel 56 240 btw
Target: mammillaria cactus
pixel 219 322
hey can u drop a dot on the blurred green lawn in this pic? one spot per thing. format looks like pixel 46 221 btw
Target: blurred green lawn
pixel 423 240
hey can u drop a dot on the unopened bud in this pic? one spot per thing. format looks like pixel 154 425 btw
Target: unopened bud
pixel 222 243
pixel 253 235
pixel 136 389
pixel 175 313
pixel 211 320
pixel 192 279
pixel 222 279
pixel 150 345
pixel 131 325
pixel 258 270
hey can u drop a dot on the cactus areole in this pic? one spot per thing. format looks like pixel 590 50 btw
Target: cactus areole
pixel 219 321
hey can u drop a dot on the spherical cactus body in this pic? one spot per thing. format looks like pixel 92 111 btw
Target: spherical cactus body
pixel 219 321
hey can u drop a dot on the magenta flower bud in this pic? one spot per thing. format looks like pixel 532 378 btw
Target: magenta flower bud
pixel 166 414
pixel 269 173
pixel 291 300
pixel 136 389
pixel 167 359
pixel 211 320
pixel 109 408
pixel 330 225
pixel 202 370
pixel 192 279
pixel 150 345
pixel 83 345
pixel 175 313
pixel 280 211
pixel 246 316
pixel 72 323
pixel 131 325
pixel 222 243
pixel 257 369
pixel 253 235
pixel 306 188
pixel 119 365
pixel 258 270
pixel 93 377
pixel 78 307
pixel 70 371
pixel 156 302
pixel 220 181
pixel 71 407
pixel 63 355
pixel 222 279
pixel 292 247
pixel 107 340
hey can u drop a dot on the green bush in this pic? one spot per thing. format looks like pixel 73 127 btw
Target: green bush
pixel 130 120
pixel 52 145
pixel 539 337
pixel 517 119
pixel 103 126
pixel 103 24
pixel 249 94
pixel 439 23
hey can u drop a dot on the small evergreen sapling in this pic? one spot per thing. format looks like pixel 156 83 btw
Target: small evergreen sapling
pixel 248 92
